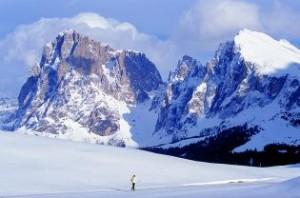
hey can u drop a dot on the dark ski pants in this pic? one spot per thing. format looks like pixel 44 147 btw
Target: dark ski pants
pixel 133 187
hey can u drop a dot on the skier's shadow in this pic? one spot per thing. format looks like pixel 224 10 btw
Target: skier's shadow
pixel 120 189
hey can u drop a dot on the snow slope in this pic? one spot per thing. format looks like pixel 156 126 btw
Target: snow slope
pixel 33 166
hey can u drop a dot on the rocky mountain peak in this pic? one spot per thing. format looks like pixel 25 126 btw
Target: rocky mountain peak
pixel 116 68
pixel 85 83
pixel 186 67
pixel 88 91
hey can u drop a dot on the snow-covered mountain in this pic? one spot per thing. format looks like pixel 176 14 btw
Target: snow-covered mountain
pixel 82 90
pixel 246 97
pixel 253 81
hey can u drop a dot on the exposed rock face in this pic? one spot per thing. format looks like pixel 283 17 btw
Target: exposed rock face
pixel 83 81
pixel 179 91
pixel 126 75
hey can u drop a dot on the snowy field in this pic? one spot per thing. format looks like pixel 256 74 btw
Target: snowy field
pixel 32 166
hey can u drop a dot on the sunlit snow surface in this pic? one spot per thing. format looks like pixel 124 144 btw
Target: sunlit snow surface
pixel 34 166
pixel 270 56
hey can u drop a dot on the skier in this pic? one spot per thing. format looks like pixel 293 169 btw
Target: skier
pixel 133 181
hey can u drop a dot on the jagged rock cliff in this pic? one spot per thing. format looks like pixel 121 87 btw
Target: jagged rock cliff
pixel 252 81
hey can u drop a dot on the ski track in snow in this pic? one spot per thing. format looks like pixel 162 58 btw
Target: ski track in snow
pixel 219 189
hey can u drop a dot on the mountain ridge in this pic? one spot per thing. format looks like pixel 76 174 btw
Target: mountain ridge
pixel 85 91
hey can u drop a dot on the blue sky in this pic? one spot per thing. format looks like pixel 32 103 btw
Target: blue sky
pixel 157 17
pixel 169 27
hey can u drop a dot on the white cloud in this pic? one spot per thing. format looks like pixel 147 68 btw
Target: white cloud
pixel 22 48
pixel 212 19
pixel 208 23
pixel 281 20
pixel 94 21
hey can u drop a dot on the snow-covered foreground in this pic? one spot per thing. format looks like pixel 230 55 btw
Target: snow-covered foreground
pixel 40 167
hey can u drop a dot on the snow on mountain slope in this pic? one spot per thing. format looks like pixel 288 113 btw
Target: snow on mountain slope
pixel 268 55
pixel 8 106
pixel 275 129
pixel 36 165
